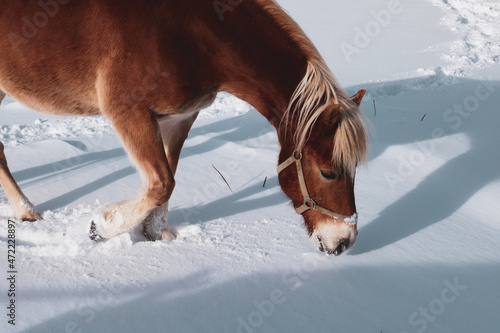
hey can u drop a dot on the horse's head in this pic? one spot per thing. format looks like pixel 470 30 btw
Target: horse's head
pixel 317 170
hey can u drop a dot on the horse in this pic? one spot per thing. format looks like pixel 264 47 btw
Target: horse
pixel 150 66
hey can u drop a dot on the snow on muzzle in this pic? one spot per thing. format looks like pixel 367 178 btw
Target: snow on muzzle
pixel 335 236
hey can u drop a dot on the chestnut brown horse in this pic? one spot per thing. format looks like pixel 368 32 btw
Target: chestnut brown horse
pixel 150 66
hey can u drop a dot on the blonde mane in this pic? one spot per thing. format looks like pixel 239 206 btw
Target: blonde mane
pixel 318 91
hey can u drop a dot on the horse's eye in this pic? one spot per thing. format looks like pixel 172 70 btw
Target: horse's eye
pixel 330 175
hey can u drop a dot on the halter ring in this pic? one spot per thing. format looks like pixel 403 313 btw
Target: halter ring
pixel 310 203
pixel 294 154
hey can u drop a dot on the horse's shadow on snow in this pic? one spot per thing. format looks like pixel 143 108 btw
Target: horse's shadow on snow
pixel 437 197
pixel 449 187
pixel 236 129
pixel 230 205
pixel 66 167
pixel 203 301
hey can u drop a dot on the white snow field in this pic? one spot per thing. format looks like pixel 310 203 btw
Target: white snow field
pixel 427 258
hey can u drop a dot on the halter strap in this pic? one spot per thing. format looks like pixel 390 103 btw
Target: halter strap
pixel 308 202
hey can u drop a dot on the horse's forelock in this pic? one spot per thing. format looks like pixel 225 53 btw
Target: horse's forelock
pixel 317 91
pixel 351 140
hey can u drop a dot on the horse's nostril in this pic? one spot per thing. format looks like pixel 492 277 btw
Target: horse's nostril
pixel 338 251
pixel 340 248
pixel 320 245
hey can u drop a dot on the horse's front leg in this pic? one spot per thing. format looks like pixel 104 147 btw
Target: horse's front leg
pixel 139 132
pixel 174 131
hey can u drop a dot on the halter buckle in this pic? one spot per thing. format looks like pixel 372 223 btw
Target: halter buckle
pixel 310 203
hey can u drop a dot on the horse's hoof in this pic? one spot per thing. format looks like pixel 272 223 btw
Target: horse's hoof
pixel 163 234
pixel 32 218
pixel 27 213
pixel 167 235
pixel 155 226
pixel 93 234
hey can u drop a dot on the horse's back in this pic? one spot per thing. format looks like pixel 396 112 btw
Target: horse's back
pixel 63 56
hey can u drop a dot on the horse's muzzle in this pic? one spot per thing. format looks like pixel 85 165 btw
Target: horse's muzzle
pixel 334 238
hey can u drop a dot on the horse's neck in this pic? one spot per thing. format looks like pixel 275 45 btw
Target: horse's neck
pixel 262 63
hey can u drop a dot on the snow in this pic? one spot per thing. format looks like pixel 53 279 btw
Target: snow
pixel 427 258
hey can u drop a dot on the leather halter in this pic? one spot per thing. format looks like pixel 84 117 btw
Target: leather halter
pixel 308 202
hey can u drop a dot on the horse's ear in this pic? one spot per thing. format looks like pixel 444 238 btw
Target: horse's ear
pixel 359 96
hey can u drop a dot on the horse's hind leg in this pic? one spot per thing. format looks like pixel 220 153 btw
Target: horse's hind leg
pixel 2 96
pixel 21 206
pixel 174 131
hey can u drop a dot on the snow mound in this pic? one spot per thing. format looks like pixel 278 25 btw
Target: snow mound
pixel 477 23
pixel 41 130
pixel 225 105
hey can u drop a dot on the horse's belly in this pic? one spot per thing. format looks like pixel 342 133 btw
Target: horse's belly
pixel 53 100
